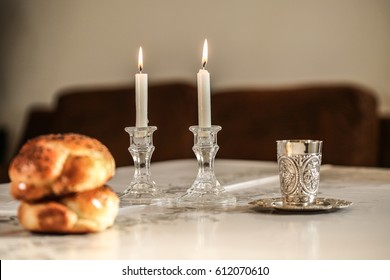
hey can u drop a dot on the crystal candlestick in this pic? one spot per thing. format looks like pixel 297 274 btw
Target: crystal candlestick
pixel 206 189
pixel 142 189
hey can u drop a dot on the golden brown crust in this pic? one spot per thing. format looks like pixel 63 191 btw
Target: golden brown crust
pixel 22 191
pixel 83 212
pixel 50 217
pixel 59 164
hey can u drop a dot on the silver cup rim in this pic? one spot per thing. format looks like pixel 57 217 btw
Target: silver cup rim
pixel 299 141
pixel 295 147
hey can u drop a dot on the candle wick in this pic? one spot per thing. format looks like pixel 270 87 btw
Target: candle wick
pixel 140 69
pixel 204 65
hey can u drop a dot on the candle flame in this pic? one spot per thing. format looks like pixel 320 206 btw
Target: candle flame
pixel 205 54
pixel 140 60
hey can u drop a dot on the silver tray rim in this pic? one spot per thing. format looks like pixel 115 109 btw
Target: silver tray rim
pixel 321 204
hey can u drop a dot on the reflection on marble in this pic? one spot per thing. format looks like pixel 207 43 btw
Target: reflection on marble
pixel 232 232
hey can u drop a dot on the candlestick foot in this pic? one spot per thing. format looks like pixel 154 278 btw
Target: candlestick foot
pixel 202 193
pixel 141 193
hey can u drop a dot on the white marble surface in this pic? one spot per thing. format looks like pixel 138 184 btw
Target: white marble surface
pixel 361 231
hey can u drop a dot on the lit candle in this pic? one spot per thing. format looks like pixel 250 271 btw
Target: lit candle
pixel 203 77
pixel 141 94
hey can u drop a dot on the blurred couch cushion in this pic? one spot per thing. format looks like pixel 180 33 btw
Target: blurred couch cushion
pixel 104 112
pixel 343 116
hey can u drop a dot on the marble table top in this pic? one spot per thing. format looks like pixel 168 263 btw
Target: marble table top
pixel 243 231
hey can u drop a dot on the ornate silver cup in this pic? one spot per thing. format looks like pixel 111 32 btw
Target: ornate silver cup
pixel 299 164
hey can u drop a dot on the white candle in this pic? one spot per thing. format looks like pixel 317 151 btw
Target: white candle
pixel 204 105
pixel 141 94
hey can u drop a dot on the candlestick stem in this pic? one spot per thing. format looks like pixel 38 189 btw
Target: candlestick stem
pixel 206 189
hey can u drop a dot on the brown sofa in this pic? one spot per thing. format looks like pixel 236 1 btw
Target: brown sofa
pixel 344 116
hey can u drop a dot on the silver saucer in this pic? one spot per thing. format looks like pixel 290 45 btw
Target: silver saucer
pixel 321 204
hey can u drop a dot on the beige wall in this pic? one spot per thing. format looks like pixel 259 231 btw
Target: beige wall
pixel 50 45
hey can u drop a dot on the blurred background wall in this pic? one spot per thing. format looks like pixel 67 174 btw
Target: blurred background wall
pixel 50 45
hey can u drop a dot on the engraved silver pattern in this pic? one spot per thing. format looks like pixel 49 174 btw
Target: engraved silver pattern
pixel 299 177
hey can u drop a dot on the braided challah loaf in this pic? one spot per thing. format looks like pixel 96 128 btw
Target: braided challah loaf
pixel 58 164
pixel 60 179
pixel 88 211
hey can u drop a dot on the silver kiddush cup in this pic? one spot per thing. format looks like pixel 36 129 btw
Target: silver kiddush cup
pixel 299 164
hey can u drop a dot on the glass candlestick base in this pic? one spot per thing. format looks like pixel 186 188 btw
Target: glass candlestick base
pixel 206 190
pixel 142 189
